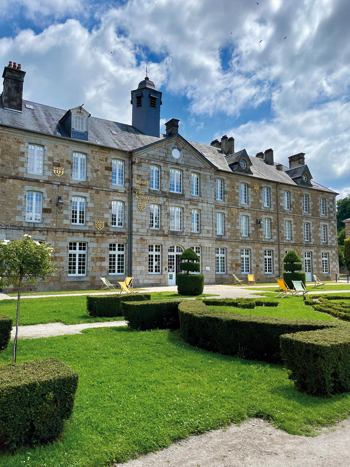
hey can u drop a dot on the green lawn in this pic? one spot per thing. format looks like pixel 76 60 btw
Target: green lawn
pixel 140 391
pixel 63 292
pixel 310 288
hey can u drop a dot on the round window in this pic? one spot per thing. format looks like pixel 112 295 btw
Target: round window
pixel 243 164
pixel 176 153
pixel 305 178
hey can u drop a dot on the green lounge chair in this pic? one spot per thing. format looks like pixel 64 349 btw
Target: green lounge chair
pixel 106 284
pixel 238 281
pixel 299 287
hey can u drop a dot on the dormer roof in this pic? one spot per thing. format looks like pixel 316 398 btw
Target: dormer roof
pixel 239 162
pixel 300 175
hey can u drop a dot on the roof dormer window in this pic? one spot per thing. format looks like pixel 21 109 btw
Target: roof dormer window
pixel 79 123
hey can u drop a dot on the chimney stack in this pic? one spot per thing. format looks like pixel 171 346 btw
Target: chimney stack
pixel 297 160
pixel 268 157
pixel 12 94
pixel 260 155
pixel 216 143
pixel 224 144
pixel 172 127
pixel 231 145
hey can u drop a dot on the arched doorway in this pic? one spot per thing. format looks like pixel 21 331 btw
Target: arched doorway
pixel 174 254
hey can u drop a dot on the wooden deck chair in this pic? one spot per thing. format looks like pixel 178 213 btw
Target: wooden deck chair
pixel 124 287
pixel 238 281
pixel 299 287
pixel 129 283
pixel 251 279
pixel 318 283
pixel 284 289
pixel 106 284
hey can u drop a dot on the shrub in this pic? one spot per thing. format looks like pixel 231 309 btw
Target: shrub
pixel 111 305
pixel 190 284
pixel 319 361
pixel 189 255
pixel 338 310
pixel 5 331
pixel 292 264
pixel 192 267
pixel 153 314
pixel 347 253
pixel 253 337
pixel 35 399
pixel 239 302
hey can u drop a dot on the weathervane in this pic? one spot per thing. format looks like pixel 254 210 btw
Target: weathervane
pixel 146 73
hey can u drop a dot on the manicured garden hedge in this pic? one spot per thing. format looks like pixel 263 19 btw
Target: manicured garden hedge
pixel 111 305
pixel 319 360
pixel 5 331
pixel 190 284
pixel 35 399
pixel 335 309
pixel 252 337
pixel 154 314
pixel 249 303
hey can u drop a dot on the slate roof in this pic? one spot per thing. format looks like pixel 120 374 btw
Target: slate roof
pixel 297 171
pixel 45 119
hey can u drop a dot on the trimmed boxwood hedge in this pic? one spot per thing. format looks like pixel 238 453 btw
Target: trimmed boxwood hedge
pixel 249 303
pixel 190 284
pixel 288 277
pixel 35 399
pixel 154 314
pixel 252 337
pixel 319 361
pixel 5 331
pixel 334 309
pixel 111 305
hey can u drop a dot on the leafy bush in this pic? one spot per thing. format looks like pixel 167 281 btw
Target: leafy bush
pixel 294 276
pixel 338 310
pixel 319 361
pixel 35 399
pixel 153 314
pixel 292 263
pixel 5 331
pixel 111 305
pixel 249 303
pixel 190 284
pixel 347 253
pixel 189 255
pixel 192 267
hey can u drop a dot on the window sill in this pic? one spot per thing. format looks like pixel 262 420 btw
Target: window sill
pixel 76 278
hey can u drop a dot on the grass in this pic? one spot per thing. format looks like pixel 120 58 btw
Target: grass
pixel 140 391
pixel 67 310
pixel 65 292
pixel 310 288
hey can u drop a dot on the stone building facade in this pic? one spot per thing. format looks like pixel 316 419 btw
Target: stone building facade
pixel 116 200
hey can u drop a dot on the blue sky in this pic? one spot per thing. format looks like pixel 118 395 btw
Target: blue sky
pixel 273 74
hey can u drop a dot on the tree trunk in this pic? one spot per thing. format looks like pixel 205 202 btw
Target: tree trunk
pixel 17 320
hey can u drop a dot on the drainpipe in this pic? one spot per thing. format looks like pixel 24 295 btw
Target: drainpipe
pixel 129 153
pixel 278 231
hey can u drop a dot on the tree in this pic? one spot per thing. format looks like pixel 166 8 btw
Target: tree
pixel 293 267
pixel 190 284
pixel 23 262
pixel 347 253
pixel 343 211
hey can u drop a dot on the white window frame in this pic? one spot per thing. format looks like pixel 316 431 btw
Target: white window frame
pixel 244 193
pixel 268 261
pixel 175 181
pixel 287 202
pixel 220 223
pixel 118 213
pixel 324 233
pixel 245 261
pixel 244 226
pixel 154 259
pixel 267 228
pixel 79 166
pixel 35 159
pixel 116 259
pixel 267 197
pixel 325 263
pixel 195 221
pixel 323 209
pixel 307 232
pixel 78 253
pixel 194 184
pixel 34 206
pixel 306 204
pixel 154 177
pixel 154 217
pixel 79 123
pixel 176 218
pixel 288 230
pixel 79 217
pixel 118 172
pixel 219 189
pixel 220 260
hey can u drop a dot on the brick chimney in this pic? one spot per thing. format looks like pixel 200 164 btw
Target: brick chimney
pixel 231 145
pixel 172 127
pixel 297 160
pixel 216 143
pixel 268 156
pixel 12 94
pixel 224 144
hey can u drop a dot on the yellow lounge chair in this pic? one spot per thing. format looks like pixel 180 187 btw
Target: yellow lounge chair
pixel 284 289
pixel 251 279
pixel 106 284
pixel 129 283
pixel 238 281
pixel 124 288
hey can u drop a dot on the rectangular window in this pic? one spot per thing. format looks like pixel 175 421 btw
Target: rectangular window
pixel 154 221
pixel 34 206
pixel 288 230
pixel 78 210
pixel 266 192
pixel 175 218
pixel 154 258
pixel 245 261
pixel 287 200
pixel 194 184
pixel 154 177
pixel 306 232
pixel 324 234
pixel 79 123
pixel 138 101
pixel 267 228
pixel 117 172
pixel 77 259
pixel 220 260
pixel 153 101
pixel 117 214
pixel 244 193
pixel 306 204
pixel 116 258
pixel 323 206
pixel 219 189
pixel 244 226
pixel 220 219
pixel 195 217
pixel 79 166
pixel 268 262
pixel 325 263
pixel 35 159
pixel 175 181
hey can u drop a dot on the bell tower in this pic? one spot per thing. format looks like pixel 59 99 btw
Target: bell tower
pixel 146 102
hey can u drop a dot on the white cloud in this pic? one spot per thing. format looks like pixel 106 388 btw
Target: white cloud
pixel 37 9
